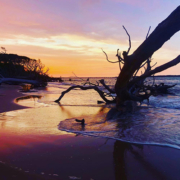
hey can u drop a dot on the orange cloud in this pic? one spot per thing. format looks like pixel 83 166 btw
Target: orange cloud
pixel 68 35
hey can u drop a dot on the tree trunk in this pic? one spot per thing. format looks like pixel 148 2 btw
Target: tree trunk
pixel 163 32
pixel 129 87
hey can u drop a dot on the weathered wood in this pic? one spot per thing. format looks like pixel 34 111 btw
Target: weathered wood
pixel 127 86
pixel 101 93
pixel 158 69
pixel 163 32
pixel 106 86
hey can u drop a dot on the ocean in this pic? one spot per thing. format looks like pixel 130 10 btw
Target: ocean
pixel 155 123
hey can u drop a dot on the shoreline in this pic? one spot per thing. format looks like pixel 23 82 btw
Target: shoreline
pixel 29 155
pixel 8 93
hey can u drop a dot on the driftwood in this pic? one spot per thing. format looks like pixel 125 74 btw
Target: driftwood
pixel 161 88
pixel 80 121
pixel 106 86
pixel 163 32
pixel 101 93
pixel 156 70
pixel 128 85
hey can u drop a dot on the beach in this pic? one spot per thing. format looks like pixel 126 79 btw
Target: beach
pixel 7 95
pixel 33 147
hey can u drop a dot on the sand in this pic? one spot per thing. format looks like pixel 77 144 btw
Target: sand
pixel 34 148
pixel 7 95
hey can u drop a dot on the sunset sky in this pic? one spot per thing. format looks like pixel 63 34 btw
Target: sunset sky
pixel 67 35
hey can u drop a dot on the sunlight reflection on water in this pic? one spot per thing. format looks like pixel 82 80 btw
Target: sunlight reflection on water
pixel 156 123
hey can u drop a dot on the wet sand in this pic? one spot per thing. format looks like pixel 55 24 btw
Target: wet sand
pixel 7 95
pixel 32 147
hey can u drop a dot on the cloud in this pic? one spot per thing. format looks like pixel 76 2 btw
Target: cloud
pixel 80 28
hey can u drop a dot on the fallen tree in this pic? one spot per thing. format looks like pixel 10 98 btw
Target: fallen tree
pixel 128 85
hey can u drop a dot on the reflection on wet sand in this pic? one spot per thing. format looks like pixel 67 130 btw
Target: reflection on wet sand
pixel 34 97
pixel 120 149
pixel 137 160
pixel 29 101
pixel 31 136
pixel 42 120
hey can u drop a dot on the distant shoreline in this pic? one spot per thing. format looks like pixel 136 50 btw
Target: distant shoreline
pixel 166 76
pixel 113 77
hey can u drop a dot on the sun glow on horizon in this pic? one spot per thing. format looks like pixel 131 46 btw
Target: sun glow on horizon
pixel 68 37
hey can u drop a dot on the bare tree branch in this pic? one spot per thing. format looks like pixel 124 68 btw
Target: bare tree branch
pixel 101 93
pixel 120 66
pixel 108 59
pixel 120 59
pixel 143 64
pixel 139 69
pixel 106 86
pixel 148 32
pixel 136 73
pixel 129 40
pixel 119 56
pixel 77 76
pixel 153 65
pixel 90 83
pixel 158 69
pixel 87 81
pixel 127 87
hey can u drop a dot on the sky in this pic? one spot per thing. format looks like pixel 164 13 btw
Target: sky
pixel 69 35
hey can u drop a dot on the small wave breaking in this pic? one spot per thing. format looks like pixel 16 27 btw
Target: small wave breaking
pixel 154 126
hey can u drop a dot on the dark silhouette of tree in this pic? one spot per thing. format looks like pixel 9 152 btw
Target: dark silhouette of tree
pixel 23 67
pixel 128 85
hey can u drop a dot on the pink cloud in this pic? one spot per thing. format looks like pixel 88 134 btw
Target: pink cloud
pixel 43 18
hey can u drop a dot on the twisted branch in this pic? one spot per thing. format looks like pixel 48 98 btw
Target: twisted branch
pixel 106 86
pixel 129 40
pixel 158 69
pixel 108 59
pixel 101 93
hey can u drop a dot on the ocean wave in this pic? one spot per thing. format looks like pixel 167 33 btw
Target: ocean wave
pixel 147 126
pixel 156 123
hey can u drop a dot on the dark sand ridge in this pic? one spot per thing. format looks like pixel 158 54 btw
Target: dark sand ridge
pixel 66 156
